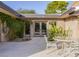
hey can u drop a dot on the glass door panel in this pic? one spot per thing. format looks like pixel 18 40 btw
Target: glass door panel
pixel 43 28
pixel 27 28
pixel 37 28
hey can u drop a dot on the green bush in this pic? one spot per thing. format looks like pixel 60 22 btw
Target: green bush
pixel 56 31
pixel 15 25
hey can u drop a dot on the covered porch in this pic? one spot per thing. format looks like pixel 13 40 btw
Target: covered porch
pixel 39 24
pixel 37 28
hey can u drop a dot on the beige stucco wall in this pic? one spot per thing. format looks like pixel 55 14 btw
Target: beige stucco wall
pixel 72 25
pixel 60 23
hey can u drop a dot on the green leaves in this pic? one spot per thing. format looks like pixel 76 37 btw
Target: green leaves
pixel 26 11
pixel 15 25
pixel 56 5
pixel 56 31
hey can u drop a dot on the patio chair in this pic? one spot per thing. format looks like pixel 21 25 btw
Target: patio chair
pixel 48 44
pixel 46 41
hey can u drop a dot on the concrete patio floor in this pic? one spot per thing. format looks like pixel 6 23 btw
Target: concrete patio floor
pixel 22 49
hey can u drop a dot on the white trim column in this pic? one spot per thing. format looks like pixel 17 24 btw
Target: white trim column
pixel 47 27
pixel 32 29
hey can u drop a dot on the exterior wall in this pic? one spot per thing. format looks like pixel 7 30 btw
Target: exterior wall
pixel 72 25
pixel 67 24
pixel 3 34
pixel 78 29
pixel 61 23
pixel 0 29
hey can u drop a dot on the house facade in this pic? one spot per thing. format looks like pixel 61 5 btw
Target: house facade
pixel 41 23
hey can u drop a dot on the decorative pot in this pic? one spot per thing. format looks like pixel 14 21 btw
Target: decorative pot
pixel 59 45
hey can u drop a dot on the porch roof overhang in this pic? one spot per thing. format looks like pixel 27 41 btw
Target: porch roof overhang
pixel 9 11
pixel 50 16
pixel 41 15
pixel 61 16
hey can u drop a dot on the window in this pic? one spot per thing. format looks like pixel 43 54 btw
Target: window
pixel 27 28
pixel 40 28
pixel 43 28
pixel 37 27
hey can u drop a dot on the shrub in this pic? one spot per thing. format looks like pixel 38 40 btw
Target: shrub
pixel 56 31
pixel 15 25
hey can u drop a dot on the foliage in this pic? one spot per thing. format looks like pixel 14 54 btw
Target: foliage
pixel 55 32
pixel 56 7
pixel 26 11
pixel 15 26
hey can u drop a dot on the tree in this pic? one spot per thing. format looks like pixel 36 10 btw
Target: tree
pixel 56 7
pixel 26 11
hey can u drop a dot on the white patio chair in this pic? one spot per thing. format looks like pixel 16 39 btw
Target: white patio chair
pixel 49 44
pixel 46 40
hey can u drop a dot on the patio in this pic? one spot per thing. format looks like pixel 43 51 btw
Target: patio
pixel 22 49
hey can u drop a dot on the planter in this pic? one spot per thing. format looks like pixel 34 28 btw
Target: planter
pixel 59 44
